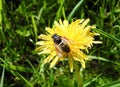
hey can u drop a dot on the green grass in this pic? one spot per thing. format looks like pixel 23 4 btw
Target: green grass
pixel 21 21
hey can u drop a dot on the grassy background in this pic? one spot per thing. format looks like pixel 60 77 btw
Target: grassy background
pixel 21 21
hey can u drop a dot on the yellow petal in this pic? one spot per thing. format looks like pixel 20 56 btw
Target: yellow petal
pixel 56 23
pixel 85 23
pixel 49 30
pixel 97 42
pixel 46 60
pixel 81 20
pixel 65 22
pixel 82 63
pixel 42 36
pixel 97 34
pixel 75 22
pixel 49 58
pixel 76 58
pixel 39 48
pixel 71 64
pixel 82 55
pixel 52 64
pixel 53 54
pixel 45 51
pixel 40 43
pixel 80 60
pixel 88 28
pixel 60 21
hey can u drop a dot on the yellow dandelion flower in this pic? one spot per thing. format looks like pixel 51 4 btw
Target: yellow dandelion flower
pixel 66 40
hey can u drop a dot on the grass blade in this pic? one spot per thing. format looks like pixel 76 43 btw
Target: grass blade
pixel 113 84
pixel 2 78
pixel 103 59
pixel 59 10
pixel 23 79
pixel 0 13
pixel 34 27
pixel 107 35
pixel 88 83
pixel 75 9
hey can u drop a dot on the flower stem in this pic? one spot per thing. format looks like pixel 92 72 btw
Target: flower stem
pixel 78 76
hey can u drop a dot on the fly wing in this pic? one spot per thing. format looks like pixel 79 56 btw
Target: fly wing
pixel 67 40
pixel 58 50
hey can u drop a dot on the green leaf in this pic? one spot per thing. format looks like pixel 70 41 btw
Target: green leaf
pixel 16 68
pixel 24 33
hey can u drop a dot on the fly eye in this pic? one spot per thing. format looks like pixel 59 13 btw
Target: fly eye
pixel 54 35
